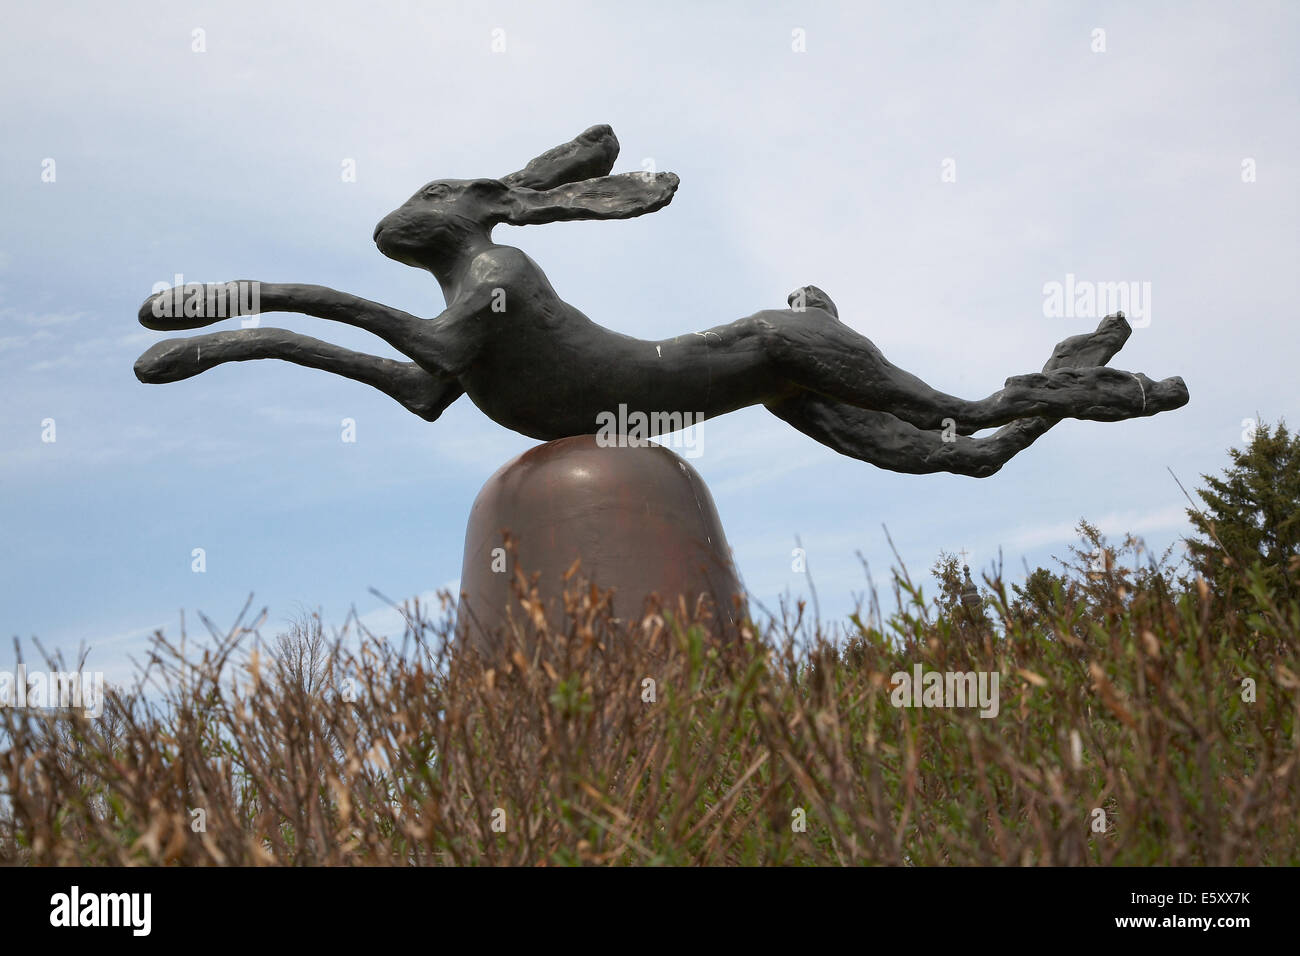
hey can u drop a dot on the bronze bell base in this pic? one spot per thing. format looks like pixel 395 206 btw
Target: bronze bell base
pixel 638 517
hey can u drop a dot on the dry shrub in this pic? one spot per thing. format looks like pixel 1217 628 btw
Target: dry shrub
pixel 655 743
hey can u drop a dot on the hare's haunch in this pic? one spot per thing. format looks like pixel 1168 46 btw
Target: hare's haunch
pixel 534 363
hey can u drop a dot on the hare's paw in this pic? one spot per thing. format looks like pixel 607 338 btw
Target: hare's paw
pixel 195 305
pixel 156 310
pixel 1165 395
pixel 1092 348
pixel 811 297
pixel 170 361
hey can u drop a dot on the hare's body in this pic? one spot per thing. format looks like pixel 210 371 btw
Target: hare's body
pixel 543 351
pixel 535 364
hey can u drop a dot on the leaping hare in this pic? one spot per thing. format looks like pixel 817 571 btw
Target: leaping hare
pixel 534 363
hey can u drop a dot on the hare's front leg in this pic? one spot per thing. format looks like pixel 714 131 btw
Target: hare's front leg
pixel 417 390
pixel 442 346
pixel 197 306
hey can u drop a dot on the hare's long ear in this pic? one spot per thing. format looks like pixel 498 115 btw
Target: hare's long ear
pixel 585 156
pixel 606 197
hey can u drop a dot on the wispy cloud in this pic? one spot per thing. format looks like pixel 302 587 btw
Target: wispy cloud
pixel 39 319
pixel 390 622
pixel 1169 518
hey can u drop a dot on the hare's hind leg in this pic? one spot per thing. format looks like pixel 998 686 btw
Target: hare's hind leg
pixel 175 359
pixel 880 439
pixel 818 353
pixel 888 442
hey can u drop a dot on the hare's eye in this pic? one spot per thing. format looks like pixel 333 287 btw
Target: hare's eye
pixel 435 192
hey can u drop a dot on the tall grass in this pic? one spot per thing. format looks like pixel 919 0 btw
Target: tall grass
pixel 1124 736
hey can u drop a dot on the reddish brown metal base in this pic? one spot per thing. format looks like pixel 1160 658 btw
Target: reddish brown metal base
pixel 640 519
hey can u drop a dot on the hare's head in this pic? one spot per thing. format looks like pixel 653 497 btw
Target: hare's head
pixel 567 182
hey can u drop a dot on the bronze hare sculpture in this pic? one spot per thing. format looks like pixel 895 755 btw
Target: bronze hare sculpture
pixel 535 364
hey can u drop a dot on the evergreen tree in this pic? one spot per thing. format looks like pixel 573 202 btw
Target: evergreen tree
pixel 1251 517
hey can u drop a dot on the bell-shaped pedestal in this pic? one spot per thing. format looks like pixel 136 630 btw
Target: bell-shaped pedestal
pixel 638 517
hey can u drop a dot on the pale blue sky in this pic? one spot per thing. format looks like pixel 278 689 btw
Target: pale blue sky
pixel 823 166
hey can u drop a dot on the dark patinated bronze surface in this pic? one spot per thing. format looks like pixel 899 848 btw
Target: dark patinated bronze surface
pixel 534 363
pixel 639 518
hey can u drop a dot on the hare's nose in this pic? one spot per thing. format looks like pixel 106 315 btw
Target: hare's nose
pixel 378 229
